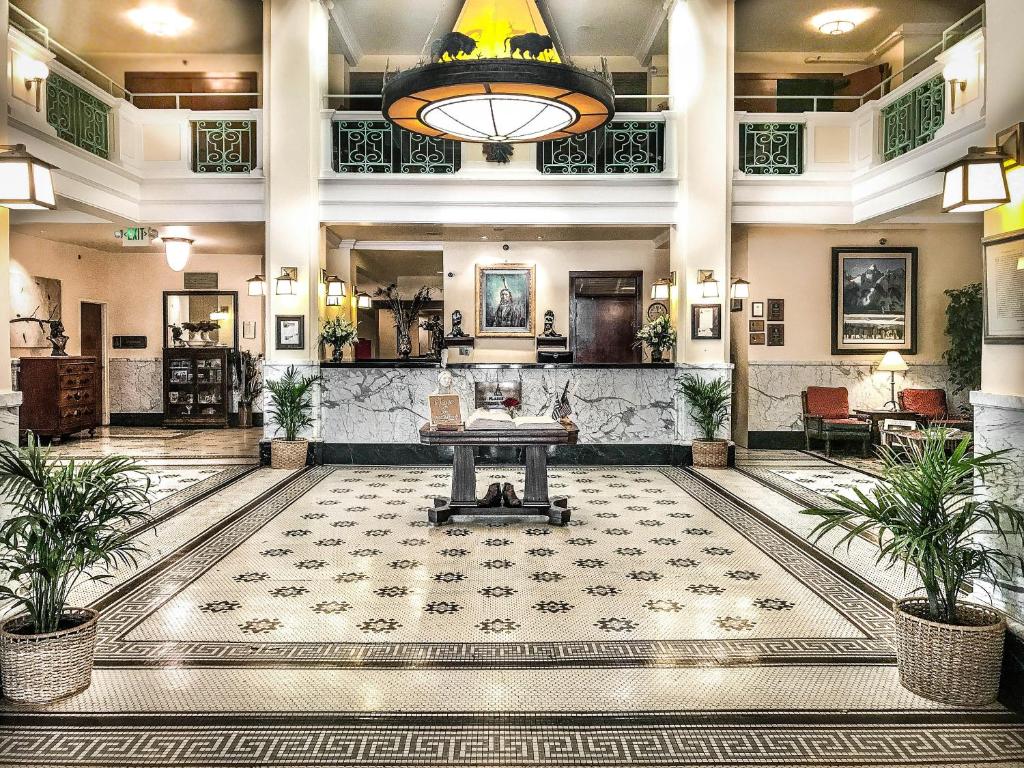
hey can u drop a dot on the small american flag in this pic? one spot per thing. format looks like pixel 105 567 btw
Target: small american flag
pixel 562 409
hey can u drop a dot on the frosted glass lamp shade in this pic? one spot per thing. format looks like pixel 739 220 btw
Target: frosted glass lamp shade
pixel 26 183
pixel 178 250
pixel 740 289
pixel 659 290
pixel 975 183
pixel 709 289
pixel 256 285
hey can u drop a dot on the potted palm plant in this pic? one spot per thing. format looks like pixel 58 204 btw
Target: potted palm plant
pixel 250 376
pixel 928 517
pixel 69 523
pixel 708 401
pixel 659 335
pixel 291 408
pixel 338 333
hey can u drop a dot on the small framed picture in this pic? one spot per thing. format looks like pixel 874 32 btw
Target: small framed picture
pixel 757 339
pixel 776 334
pixel 445 411
pixel 290 331
pixel 706 321
pixel 757 309
pixel 776 311
pixel 757 326
pixel 248 329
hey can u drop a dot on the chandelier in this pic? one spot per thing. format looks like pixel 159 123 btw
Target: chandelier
pixel 499 76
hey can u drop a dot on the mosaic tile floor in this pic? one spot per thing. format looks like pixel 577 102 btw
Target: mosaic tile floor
pixel 316 619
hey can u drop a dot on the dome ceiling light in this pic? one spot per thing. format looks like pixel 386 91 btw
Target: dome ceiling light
pixel 499 77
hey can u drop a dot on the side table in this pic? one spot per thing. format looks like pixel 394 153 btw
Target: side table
pixel 877 415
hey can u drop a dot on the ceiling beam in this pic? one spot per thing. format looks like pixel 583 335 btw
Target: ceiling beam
pixel 646 42
pixel 351 48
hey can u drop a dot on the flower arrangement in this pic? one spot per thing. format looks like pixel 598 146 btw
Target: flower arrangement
pixel 511 406
pixel 250 376
pixel 404 313
pixel 338 333
pixel 659 335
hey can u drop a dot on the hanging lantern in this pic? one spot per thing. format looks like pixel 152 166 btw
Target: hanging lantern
pixel 256 285
pixel 335 290
pixel 500 76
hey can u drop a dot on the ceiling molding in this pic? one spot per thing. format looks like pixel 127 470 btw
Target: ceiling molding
pixel 427 246
pixel 646 42
pixel 351 48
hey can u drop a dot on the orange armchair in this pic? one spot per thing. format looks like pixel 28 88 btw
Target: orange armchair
pixel 931 408
pixel 827 417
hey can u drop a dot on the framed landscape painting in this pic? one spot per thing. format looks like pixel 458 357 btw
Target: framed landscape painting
pixel 874 300
pixel 505 298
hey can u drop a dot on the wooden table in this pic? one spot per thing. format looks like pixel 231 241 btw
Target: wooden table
pixel 463 499
pixel 877 415
pixel 907 437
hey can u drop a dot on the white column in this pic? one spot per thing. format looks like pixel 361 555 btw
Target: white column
pixel 295 67
pixel 700 44
pixel 9 401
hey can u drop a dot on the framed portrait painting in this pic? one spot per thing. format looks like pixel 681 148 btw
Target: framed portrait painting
pixel 505 298
pixel 874 300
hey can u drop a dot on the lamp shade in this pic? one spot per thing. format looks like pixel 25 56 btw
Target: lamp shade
pixel 660 290
pixel 26 183
pixel 363 300
pixel 336 290
pixel 975 182
pixel 892 361
pixel 740 289
pixel 284 284
pixel 177 250
pixel 256 285
pixel 709 289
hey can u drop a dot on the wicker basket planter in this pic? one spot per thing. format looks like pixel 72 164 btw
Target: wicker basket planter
pixel 711 453
pixel 288 454
pixel 38 669
pixel 953 664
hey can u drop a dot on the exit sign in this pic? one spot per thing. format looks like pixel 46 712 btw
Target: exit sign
pixel 134 237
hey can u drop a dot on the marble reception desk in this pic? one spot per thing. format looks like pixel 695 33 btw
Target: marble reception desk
pixel 624 412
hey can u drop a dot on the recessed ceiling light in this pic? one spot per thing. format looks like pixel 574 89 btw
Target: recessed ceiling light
pixel 160 20
pixel 841 20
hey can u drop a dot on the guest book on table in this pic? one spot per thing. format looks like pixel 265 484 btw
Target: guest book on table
pixel 483 418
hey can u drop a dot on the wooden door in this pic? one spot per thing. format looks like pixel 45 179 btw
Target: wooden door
pixel 604 315
pixel 222 84
pixel 92 346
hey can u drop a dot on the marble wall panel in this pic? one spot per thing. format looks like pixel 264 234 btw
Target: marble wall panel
pixel 774 388
pixel 136 385
pixel 9 403
pixel 275 370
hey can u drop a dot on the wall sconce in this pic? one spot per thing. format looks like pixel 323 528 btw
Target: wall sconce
pixel 336 290
pixel 955 84
pixel 177 251
pixel 33 72
pixel 284 284
pixel 363 300
pixel 977 181
pixel 708 284
pixel 661 288
pixel 740 290
pixel 256 285
pixel 26 183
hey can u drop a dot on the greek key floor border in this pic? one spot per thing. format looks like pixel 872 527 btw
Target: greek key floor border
pixel 131 608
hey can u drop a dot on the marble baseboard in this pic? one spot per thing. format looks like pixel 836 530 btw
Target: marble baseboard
pixel 397 454
pixel 774 403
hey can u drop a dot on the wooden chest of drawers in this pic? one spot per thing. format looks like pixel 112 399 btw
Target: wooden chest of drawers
pixel 60 395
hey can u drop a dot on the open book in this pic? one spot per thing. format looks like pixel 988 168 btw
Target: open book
pixel 482 418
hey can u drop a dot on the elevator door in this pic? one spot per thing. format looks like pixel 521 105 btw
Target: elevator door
pixel 604 315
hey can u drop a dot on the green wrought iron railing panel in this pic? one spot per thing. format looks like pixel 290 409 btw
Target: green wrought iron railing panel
pixel 223 146
pixel 913 118
pixel 78 117
pixel 377 146
pixel 772 149
pixel 621 147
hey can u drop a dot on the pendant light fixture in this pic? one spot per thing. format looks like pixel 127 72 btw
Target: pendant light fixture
pixel 178 250
pixel 26 183
pixel 500 76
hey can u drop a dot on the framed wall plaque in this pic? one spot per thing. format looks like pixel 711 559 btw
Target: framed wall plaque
pixel 757 309
pixel 874 300
pixel 776 334
pixel 706 321
pixel 248 329
pixel 290 331
pixel 757 326
pixel 1004 288
pixel 757 339
pixel 776 310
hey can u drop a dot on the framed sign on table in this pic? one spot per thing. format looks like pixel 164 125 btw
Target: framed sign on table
pixel 505 298
pixel 1004 288
pixel 874 300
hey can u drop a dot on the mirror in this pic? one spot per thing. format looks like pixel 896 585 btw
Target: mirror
pixel 201 319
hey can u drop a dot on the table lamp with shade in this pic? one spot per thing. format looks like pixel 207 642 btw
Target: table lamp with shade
pixel 891 363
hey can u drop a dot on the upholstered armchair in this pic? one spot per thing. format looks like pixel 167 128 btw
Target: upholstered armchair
pixel 827 417
pixel 931 408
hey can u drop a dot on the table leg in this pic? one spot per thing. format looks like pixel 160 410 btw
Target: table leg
pixel 463 487
pixel 536 493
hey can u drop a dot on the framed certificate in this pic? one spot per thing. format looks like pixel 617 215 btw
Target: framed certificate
pixel 1004 288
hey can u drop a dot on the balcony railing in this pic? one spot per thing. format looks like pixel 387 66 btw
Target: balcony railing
pixel 223 146
pixel 621 147
pixel 913 119
pixel 377 146
pixel 772 148
pixel 78 117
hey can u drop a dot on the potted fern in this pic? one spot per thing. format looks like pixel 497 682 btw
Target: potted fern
pixel 338 333
pixel 708 401
pixel 291 408
pixel 927 516
pixel 69 523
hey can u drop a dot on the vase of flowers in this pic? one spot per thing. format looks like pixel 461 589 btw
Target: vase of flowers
pixel 70 522
pixel 338 333
pixel 404 314
pixel 659 335
pixel 927 515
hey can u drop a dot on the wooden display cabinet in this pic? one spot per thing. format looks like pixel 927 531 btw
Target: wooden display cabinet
pixel 196 387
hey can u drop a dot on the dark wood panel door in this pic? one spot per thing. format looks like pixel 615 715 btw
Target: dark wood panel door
pixel 223 84
pixel 604 315
pixel 92 346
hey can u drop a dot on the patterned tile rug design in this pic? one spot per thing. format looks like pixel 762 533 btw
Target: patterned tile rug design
pixel 807 477
pixel 322 621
